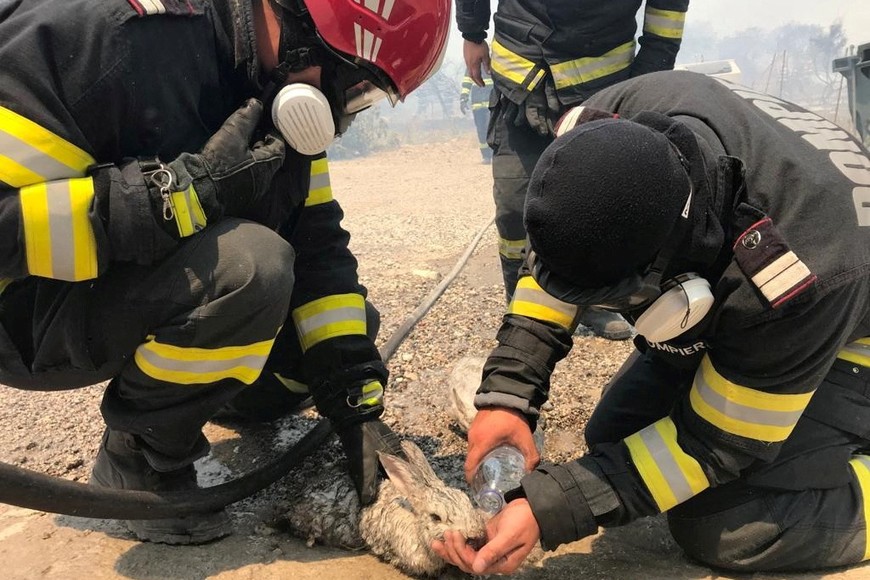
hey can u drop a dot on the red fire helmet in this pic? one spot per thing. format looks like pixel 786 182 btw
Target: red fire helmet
pixel 406 39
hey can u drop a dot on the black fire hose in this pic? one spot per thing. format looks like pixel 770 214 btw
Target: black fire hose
pixel 30 489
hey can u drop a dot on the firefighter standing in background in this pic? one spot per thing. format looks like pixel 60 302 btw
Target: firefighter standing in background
pixel 479 99
pixel 733 229
pixel 159 234
pixel 548 55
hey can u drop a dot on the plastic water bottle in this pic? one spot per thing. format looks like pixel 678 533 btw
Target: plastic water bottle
pixel 499 472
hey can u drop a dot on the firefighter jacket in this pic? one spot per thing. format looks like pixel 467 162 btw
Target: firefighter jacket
pixel 478 96
pixel 781 229
pixel 88 88
pixel 581 45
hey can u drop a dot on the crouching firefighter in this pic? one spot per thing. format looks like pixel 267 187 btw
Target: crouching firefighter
pixel 167 230
pixel 733 229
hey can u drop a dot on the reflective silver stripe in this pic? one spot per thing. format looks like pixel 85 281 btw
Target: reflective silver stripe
pixel 319 180
pixel 665 23
pixel 741 412
pixel 511 249
pixel 583 70
pixel 34 160
pixel 540 297
pixel 671 475
pixel 199 366
pixel 308 325
pixel 857 352
pixel 514 67
pixel 60 223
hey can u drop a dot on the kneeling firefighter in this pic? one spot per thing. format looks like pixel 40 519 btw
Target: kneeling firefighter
pixel 161 231
pixel 733 229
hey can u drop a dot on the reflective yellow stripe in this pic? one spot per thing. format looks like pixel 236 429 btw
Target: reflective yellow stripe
pixel 372 394
pixel 58 237
pixel 861 466
pixel 319 188
pixel 583 70
pixel 195 366
pixel 857 352
pixel 670 474
pixel 511 249
pixel 292 385
pixel 328 317
pixel 32 154
pixel 189 215
pixel 664 23
pixel 513 66
pixel 743 411
pixel 532 301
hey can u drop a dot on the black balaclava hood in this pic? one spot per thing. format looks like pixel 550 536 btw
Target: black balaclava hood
pixel 603 199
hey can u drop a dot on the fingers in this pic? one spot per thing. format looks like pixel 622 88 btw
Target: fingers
pixel 455 550
pixel 244 121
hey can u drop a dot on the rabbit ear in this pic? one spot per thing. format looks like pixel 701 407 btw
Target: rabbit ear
pixel 402 474
pixel 418 460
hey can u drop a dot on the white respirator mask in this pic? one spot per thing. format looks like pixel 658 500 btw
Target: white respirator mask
pixel 303 115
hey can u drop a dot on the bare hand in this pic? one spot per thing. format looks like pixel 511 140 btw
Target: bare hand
pixel 512 534
pixel 499 426
pixel 476 56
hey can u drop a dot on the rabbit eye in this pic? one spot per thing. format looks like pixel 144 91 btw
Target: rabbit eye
pixel 435 518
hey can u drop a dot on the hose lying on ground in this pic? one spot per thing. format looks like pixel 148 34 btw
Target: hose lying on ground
pixel 34 490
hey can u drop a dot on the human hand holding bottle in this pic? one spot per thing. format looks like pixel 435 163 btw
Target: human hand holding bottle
pixel 496 426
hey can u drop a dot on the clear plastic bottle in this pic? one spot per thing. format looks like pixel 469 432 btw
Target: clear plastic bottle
pixel 499 472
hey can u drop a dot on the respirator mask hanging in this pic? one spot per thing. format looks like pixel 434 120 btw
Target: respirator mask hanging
pixel 308 118
pixel 670 307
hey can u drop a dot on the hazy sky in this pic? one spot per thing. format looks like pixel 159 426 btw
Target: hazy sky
pixel 727 16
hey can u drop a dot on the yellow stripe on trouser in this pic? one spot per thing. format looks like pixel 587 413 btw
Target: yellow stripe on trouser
pixel 861 466
pixel 328 317
pixel 515 67
pixel 857 352
pixel 743 411
pixel 319 188
pixel 586 69
pixel 196 366
pixel 58 237
pixel 292 385
pixel 664 23
pixel 511 249
pixel 31 154
pixel 669 473
pixel 532 301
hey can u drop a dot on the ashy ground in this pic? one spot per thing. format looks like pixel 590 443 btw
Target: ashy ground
pixel 411 213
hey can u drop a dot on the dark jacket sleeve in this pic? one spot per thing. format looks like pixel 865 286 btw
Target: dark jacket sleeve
pixel 472 17
pixel 328 302
pixel 662 34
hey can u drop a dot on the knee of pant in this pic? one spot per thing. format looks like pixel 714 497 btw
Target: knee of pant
pixel 255 262
pixel 735 539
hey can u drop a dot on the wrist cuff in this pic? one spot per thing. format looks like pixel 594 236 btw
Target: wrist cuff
pixel 475 37
pixel 558 505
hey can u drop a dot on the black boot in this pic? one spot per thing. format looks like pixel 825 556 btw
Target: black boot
pixel 121 464
pixel 606 324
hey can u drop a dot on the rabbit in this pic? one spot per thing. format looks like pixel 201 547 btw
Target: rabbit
pixel 414 506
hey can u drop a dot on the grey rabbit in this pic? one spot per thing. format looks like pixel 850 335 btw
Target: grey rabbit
pixel 414 506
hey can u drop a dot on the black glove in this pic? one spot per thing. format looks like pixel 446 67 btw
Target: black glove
pixel 361 442
pixel 230 170
pixel 463 105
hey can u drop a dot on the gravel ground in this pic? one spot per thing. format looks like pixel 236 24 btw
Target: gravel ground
pixel 411 213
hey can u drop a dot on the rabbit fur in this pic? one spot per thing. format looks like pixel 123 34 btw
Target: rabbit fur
pixel 414 506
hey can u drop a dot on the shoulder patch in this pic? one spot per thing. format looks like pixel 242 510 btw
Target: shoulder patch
pixel 765 258
pixel 176 7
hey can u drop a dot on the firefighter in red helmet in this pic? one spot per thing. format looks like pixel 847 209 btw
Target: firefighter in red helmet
pixel 169 226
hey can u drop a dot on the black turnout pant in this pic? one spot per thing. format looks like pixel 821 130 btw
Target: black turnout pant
pixel 804 511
